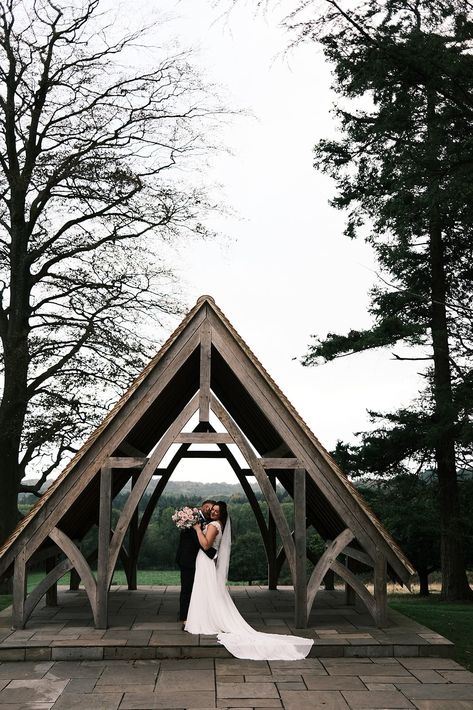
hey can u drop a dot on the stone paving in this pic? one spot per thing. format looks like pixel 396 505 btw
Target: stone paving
pixel 312 684
pixel 144 661
pixel 143 625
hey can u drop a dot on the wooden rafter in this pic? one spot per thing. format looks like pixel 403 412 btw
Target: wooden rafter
pixel 144 479
pixel 260 475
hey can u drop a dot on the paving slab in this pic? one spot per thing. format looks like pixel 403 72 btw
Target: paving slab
pixel 384 700
pixel 428 691
pixel 20 691
pixel 86 701
pixel 253 702
pixel 443 705
pixel 333 682
pixel 186 680
pixel 168 700
pixel 27 669
pixel 366 669
pixel 314 700
pixel 246 690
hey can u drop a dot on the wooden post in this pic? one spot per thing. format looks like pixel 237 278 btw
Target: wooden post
pixel 19 590
pixel 51 594
pixel 380 590
pixel 350 596
pixel 300 535
pixel 74 580
pixel 133 547
pixel 329 581
pixel 272 552
pixel 205 355
pixel 105 514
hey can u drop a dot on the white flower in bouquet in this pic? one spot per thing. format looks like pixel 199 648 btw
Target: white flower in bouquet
pixel 185 517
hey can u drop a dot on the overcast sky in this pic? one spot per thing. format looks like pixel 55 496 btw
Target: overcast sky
pixel 284 269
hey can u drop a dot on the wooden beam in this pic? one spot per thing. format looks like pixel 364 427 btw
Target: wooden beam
pixel 356 585
pixel 203 455
pixel 35 596
pixel 101 448
pixel 201 437
pixel 205 364
pixel 350 595
pixel 281 556
pixel 80 563
pixel 143 480
pixel 272 552
pixel 338 491
pixel 250 494
pixel 130 450
pixel 300 582
pixel 271 498
pixel 358 555
pixel 380 591
pixel 280 463
pixel 105 519
pixel 133 547
pixel 51 594
pixel 324 564
pixel 74 580
pixel 125 462
pixel 19 590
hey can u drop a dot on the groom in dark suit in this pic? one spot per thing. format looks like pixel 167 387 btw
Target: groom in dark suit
pixel 185 557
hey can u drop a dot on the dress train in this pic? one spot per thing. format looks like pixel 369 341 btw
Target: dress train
pixel 212 611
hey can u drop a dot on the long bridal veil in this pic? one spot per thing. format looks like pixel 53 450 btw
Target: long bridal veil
pixel 236 635
pixel 223 557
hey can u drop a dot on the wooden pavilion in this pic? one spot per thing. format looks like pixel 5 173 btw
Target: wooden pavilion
pixel 203 368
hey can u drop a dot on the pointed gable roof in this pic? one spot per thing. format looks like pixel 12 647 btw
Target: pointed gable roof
pixel 266 417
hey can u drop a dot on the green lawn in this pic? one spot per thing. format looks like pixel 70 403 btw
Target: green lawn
pixel 454 621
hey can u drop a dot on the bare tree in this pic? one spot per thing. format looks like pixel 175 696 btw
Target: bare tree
pixel 88 201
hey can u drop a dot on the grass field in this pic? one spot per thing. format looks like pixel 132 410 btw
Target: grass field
pixel 454 621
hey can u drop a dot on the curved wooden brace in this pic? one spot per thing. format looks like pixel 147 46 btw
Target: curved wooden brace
pixel 35 596
pixel 155 496
pixel 281 556
pixel 325 563
pixel 80 563
pixel 263 481
pixel 357 586
pixel 250 494
pixel 144 479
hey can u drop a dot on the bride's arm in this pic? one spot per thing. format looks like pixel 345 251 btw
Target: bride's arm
pixel 206 539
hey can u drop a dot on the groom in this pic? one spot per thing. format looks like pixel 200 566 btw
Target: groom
pixel 185 557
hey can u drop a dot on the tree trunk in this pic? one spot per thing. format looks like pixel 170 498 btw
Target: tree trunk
pixel 12 415
pixel 424 590
pixel 454 580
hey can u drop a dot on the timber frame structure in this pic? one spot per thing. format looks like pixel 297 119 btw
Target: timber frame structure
pixel 203 372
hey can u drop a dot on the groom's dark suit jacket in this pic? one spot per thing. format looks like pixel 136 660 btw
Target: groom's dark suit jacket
pixel 188 548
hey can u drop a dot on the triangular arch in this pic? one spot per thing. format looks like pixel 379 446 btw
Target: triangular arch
pixel 204 367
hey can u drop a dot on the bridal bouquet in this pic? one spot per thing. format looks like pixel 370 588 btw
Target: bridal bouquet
pixel 186 517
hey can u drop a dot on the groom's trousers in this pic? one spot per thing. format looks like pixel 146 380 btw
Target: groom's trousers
pixel 187 582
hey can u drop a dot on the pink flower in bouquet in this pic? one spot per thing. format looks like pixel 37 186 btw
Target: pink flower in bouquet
pixel 185 517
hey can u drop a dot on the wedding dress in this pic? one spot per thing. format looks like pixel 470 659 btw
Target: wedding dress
pixel 212 611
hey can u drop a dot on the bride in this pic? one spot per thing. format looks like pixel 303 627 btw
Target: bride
pixel 212 611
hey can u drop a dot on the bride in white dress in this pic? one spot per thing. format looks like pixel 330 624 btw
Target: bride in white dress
pixel 212 611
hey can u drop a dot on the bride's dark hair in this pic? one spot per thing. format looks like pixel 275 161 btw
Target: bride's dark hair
pixel 222 506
